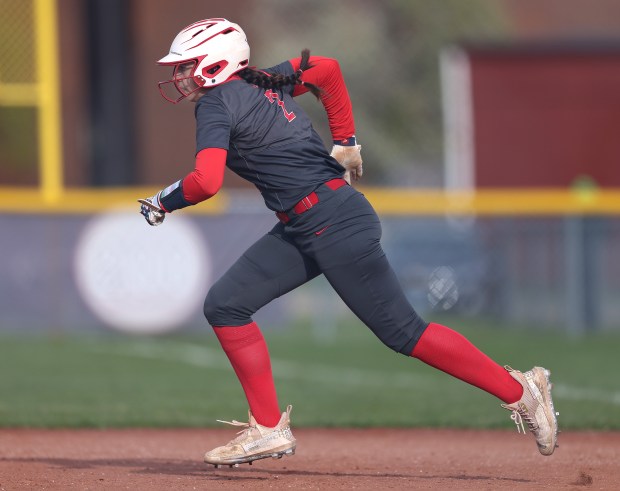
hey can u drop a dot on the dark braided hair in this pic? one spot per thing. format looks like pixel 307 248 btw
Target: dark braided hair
pixel 277 81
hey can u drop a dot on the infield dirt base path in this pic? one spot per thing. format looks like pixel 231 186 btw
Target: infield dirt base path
pixel 375 459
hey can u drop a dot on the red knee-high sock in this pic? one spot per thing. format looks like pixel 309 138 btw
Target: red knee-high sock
pixel 247 351
pixel 451 352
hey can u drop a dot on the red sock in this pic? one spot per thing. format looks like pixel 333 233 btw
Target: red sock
pixel 451 352
pixel 247 351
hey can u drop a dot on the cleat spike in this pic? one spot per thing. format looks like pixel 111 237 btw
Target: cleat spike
pixel 217 466
pixel 250 462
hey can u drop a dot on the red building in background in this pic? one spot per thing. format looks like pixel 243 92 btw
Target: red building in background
pixel 532 114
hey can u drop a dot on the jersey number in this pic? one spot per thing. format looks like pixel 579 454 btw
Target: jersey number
pixel 274 97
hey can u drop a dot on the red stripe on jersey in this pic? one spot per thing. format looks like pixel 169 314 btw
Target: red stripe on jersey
pixel 207 177
pixel 326 74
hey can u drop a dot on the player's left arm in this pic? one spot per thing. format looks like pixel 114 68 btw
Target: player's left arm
pixel 326 74
pixel 199 185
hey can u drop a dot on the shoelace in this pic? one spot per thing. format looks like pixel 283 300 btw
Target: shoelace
pixel 518 415
pixel 234 422
pixel 246 428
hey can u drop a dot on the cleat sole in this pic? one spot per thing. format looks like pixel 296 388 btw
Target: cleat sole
pixel 250 459
pixel 554 413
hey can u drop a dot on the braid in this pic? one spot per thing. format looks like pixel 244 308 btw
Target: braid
pixel 278 81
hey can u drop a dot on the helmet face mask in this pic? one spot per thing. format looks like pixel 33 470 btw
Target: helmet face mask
pixel 203 55
pixel 182 84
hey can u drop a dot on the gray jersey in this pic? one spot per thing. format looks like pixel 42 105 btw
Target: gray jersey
pixel 269 138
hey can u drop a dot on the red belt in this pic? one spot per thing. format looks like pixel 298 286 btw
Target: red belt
pixel 309 201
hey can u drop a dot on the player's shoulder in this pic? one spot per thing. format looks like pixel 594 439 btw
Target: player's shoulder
pixel 218 95
pixel 212 102
pixel 225 100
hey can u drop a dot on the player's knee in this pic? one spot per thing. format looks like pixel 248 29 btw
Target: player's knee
pixel 403 341
pixel 221 310
pixel 419 326
pixel 215 309
pixel 211 307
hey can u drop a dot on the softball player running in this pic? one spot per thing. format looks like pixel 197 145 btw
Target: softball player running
pixel 247 119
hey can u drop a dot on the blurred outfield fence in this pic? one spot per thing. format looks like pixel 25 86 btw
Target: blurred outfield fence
pixel 88 260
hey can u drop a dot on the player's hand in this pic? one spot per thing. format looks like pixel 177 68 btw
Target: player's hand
pixel 351 159
pixel 152 213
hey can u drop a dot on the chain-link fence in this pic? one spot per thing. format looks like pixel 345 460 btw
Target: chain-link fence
pixel 18 157
pixel 17 42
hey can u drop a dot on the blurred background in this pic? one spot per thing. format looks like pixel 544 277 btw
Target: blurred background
pixel 489 133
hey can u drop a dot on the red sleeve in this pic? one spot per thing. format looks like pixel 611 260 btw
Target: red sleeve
pixel 326 74
pixel 206 179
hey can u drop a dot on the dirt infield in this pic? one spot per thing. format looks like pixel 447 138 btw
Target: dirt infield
pixel 325 459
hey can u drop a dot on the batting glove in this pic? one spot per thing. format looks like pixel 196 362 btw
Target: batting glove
pixel 151 211
pixel 351 159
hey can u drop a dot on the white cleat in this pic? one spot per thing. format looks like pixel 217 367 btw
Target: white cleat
pixel 255 442
pixel 535 408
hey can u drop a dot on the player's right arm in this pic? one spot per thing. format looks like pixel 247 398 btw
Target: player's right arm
pixel 212 137
pixel 199 185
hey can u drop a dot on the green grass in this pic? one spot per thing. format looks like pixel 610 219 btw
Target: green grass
pixel 341 378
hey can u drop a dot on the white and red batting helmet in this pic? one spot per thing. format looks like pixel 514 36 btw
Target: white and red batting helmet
pixel 217 48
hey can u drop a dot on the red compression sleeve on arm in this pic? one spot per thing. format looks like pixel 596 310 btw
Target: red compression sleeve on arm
pixel 326 74
pixel 207 177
